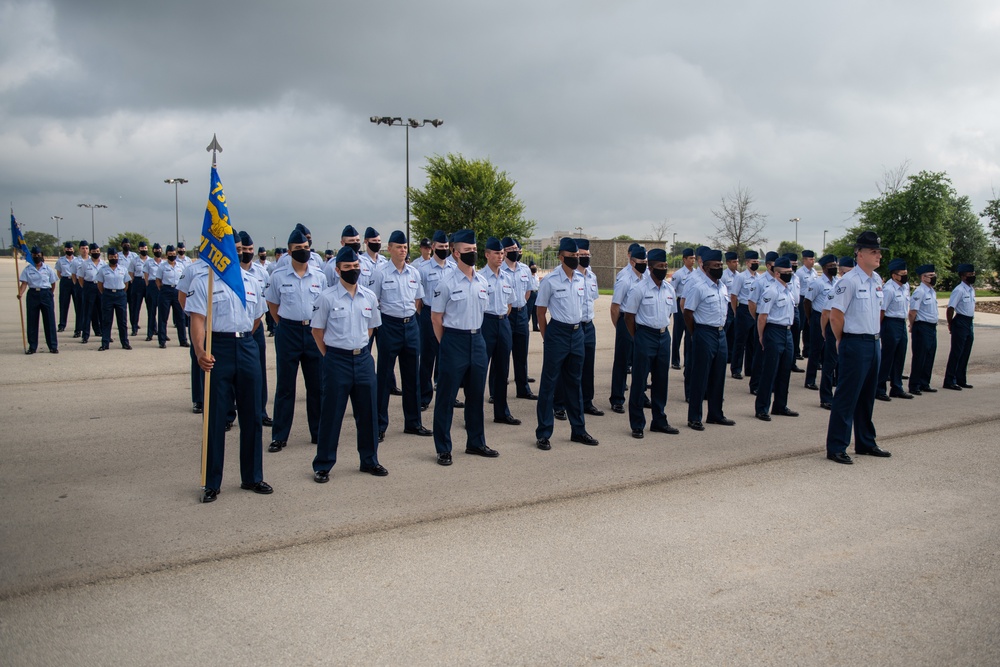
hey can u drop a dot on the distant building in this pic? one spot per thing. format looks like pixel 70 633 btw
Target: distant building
pixel 540 244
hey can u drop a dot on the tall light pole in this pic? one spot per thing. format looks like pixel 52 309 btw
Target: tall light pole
pixel 93 234
pixel 796 221
pixel 176 182
pixel 824 240
pixel 410 122
pixel 579 231
pixel 57 218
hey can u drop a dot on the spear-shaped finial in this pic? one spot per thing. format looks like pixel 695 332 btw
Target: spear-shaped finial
pixel 214 147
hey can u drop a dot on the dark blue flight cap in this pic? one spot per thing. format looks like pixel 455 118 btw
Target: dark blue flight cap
pixel 632 247
pixel 439 237
pixel 170 247
pixel 688 252
pixel 425 242
pixel 507 242
pixel 297 236
pixel 582 244
pixel 782 263
pixel 897 265
pixel 83 244
pixel 656 255
pixel 94 246
pixel 156 246
pixel 751 254
pixel 125 240
pixel 346 254
pixel 965 268
pixel 371 233
pixel 807 254
pixel 349 231
pixel 847 262
pixel 245 240
pixel 329 252
pixel 180 244
pixel 493 243
pixel 827 259
pixel 566 244
pixel 792 257
pixel 770 257
pixel 711 256
pixel 869 240
pixel 464 236
pixel 68 244
pixel 700 252
pixel 35 250
pixel 261 249
pixel 302 228
pixel 397 237
pixel 730 256
pixel 639 253
pixel 925 268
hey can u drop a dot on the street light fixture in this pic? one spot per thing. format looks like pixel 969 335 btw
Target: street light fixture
pixel 796 221
pixel 824 240
pixel 176 182
pixel 410 122
pixel 93 234
pixel 57 218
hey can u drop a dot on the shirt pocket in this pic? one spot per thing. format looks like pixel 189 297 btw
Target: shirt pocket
pixel 287 289
pixel 459 296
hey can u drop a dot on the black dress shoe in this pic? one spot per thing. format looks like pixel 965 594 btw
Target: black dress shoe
pixel 620 409
pixel 928 390
pixel 873 451
pixel 54 350
pixel 646 404
pixel 163 345
pixel 321 476
pixel 209 495
pixel 262 488
pixel 592 410
pixel 543 443
pixel 753 392
pixel 459 404
pixel 584 438
pixel 229 426
pixel 840 458
pixel 637 433
pixel 444 459
pixel 84 340
pixel 812 386
pixel 198 408
pixel 531 379
pixel 737 376
pixel 721 422
pixel 149 338
pixel 904 377
pixel 799 357
pixel 882 397
pixel 60 329
pixel 381 436
pixel 420 430
pixel 76 334
pixel 697 426
pixel 126 346
pixel 915 392
pixel 423 407
pixel 491 400
pixel 668 429
pixel 483 451
pixel 900 394
pixel 507 420
pixel 185 344
pixel 796 369
pixel 676 367
pixel 826 406
pixel 954 387
pixel 960 384
pixel 102 348
pixel 786 413
pixel 763 416
pixel 394 391
pixel 276 445
pixel 29 351
pixel 529 397
pixel 560 415
pixel 314 439
pixel 266 421
pixel 376 470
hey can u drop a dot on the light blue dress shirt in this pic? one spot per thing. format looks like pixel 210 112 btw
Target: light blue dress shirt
pixel 859 297
pixel 397 291
pixel 462 301
pixel 708 300
pixel 293 294
pixel 345 320
pixel 652 306
pixel 563 295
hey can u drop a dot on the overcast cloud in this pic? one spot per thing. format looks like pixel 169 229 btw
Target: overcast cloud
pixel 611 116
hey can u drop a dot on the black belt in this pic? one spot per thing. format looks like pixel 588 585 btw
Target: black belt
pixel 464 332
pixel 232 334
pixel 300 323
pixel 711 327
pixel 401 320
pixel 574 327
pixel 348 353
pixel 779 326
pixel 38 289
pixel 495 317
pixel 587 322
pixel 963 317
pixel 860 336
pixel 517 309
pixel 661 330
pixel 901 319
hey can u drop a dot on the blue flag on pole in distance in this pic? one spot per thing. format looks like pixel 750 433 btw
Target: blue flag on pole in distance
pixel 218 247
pixel 17 239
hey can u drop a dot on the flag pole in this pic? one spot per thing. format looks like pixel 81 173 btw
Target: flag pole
pixel 214 147
pixel 17 283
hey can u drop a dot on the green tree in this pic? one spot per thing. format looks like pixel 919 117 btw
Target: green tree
pixel 678 248
pixel 992 215
pixel 623 237
pixel 135 238
pixel 468 194
pixel 47 242
pixel 790 246
pixel 969 242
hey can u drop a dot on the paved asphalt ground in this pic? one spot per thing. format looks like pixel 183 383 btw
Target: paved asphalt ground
pixel 737 545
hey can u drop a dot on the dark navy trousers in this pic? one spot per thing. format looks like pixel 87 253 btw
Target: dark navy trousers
pixel 829 378
pixel 152 308
pixel 924 350
pixel 235 378
pixel 796 333
pixel 893 337
pixel 169 301
pixel 806 326
pixel 854 402
pixel 744 341
pixel 65 298
pixel 295 346
pixel 532 312
pixel 650 357
pixel 587 381
pixel 623 354
pixel 136 297
pixel 962 337
pixel 40 303
pixel 77 309
pixel 347 376
pixel 519 349
pixel 776 369
pixel 399 340
pixel 730 331
pixel 562 363
pixel 708 380
pixel 113 304
pixel 464 357
pixel 758 359
pixel 258 337
pixel 498 339
pixel 91 310
pixel 428 356
pixel 815 351
pixel 680 333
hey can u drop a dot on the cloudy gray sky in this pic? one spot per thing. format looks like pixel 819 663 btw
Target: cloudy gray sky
pixel 611 116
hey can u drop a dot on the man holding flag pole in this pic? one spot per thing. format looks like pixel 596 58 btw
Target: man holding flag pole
pixel 224 315
pixel 38 280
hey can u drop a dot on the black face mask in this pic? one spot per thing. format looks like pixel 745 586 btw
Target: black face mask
pixel 262 256
pixel 754 266
pixel 181 252
pixel 441 253
pixel 350 276
pixel 934 280
pixel 468 258
pixel 355 246
pixel 374 247
pixel 157 253
pixel 715 273
pixel 534 271
pixel 571 262
pixel 831 272
pixel 584 262
pixel 127 247
pixel 513 255
pixel 641 267
pixel 113 262
pixel 786 277
pixel 143 253
pixel 301 255
pixel 903 277
pixel 37 259
pixel 659 274
pixel 970 280
pixel 69 253
pixel 171 258
pixel 246 257
pixel 95 255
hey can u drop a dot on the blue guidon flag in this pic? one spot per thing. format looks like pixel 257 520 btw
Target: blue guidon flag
pixel 218 247
pixel 17 239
